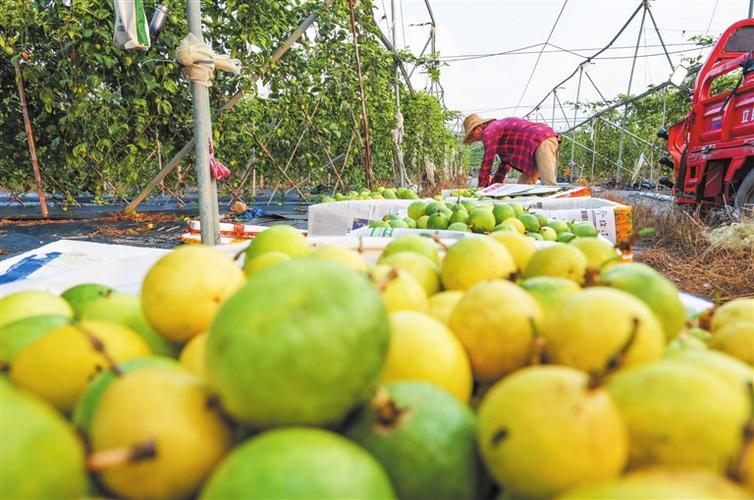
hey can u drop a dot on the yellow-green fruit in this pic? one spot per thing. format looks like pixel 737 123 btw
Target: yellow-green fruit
pixel 472 260
pixel 57 366
pixel 561 261
pixel 42 457
pixel 735 338
pixel 515 224
pixel 182 292
pixel 496 322
pixel 263 261
pixel 662 482
pixel 679 414
pixel 733 311
pixel 169 407
pixel 600 254
pixel 192 355
pixel 28 303
pixel 441 305
pixel 281 238
pixel 520 247
pixel 550 291
pixel 413 243
pixel 543 430
pixel 400 291
pixel 418 266
pixel 599 327
pixel 423 349
pixel 346 256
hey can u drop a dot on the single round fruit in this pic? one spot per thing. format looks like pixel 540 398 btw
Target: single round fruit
pixel 543 430
pixel 183 291
pixel 441 305
pixel 659 293
pixel 280 346
pixel 459 226
pixel 420 267
pixel 21 305
pixel 534 236
pixel 666 406
pixel 481 220
pixel 346 256
pixel 550 291
pixel 438 222
pixel 502 228
pixel 530 222
pixel 600 254
pixel 298 462
pixel 169 408
pixel 263 261
pixel 559 226
pixel 433 208
pixel 423 349
pixel 735 310
pixel 503 212
pixel 80 295
pixel 18 335
pixel 565 237
pixel 548 233
pixel 471 260
pixel 399 289
pixel 281 238
pixel 460 215
pixel 515 224
pixel 416 209
pixel 601 329
pixel 408 426
pixel 413 243
pixel 520 247
pixel 42 455
pixel 421 222
pixel 58 366
pixel 398 224
pixel 496 322
pixel 561 261
pixel 193 355
pixel 735 338
pixel 585 229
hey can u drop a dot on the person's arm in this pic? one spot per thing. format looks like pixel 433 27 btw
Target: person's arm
pixel 486 166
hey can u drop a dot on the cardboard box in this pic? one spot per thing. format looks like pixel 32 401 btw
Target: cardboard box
pixel 341 217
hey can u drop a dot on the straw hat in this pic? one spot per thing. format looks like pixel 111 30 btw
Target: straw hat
pixel 471 122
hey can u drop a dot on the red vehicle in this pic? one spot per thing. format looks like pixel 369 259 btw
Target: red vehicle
pixel 712 149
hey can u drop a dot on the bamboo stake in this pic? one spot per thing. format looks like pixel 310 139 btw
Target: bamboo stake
pixel 30 138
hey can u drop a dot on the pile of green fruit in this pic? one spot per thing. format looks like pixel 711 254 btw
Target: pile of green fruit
pixel 486 369
pixel 467 216
pixel 382 193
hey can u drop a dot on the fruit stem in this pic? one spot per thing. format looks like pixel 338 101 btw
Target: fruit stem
pixel 385 281
pixel 106 459
pixel 591 277
pixel 99 346
pixel 616 361
pixel 240 252
pixel 437 240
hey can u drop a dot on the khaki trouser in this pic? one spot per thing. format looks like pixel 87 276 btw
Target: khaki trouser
pixel 546 158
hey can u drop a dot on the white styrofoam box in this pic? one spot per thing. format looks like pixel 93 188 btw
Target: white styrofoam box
pixel 611 219
pixel 340 217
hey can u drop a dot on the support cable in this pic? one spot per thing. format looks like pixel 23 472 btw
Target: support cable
pixel 659 36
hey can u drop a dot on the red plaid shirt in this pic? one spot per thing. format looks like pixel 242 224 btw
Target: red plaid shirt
pixel 514 140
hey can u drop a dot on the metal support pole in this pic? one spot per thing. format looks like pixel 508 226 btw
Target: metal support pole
pixel 594 148
pixel 619 164
pixel 575 116
pixel 209 217
pixel 398 115
pixel 751 9
pixel 554 105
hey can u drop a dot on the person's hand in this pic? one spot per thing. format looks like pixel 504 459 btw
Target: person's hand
pixel 484 181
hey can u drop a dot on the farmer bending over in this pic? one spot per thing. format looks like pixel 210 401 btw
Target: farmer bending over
pixel 531 148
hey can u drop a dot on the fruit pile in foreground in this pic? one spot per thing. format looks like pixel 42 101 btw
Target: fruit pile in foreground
pixel 467 216
pixel 487 368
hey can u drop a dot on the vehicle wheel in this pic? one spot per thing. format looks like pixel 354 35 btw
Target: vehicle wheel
pixel 745 193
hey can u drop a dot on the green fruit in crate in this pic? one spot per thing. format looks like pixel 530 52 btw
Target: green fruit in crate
pixel 18 335
pixel 411 223
pixel 446 212
pixel 735 338
pixel 42 455
pixel 534 236
pixel 461 269
pixel 549 291
pixel 267 259
pixel 470 206
pixel 543 220
pixel 559 226
pixel 459 226
pixel 560 261
pixel 376 224
pixel 57 366
pixel 437 221
pixel 585 229
pixel 520 247
pixel 458 206
pixel 657 292
pixel 407 427
pixel 548 234
pixel 417 209
pixel 398 224
pixel 327 199
pixel 298 462
pixel 530 222
pixel 565 237
pixel 481 220
pixel 80 295
pixel 342 255
pixel 420 267
pixel 503 212
pixel 413 243
pixel 389 194
pixel 600 329
pixel 518 209
pixel 736 310
pixel 543 430
pixel 503 228
pixel 339 197
pixel 434 207
pixel 183 291
pixel 364 193
pixel 600 254
pixel 662 482
pixel 125 309
pixel 279 346
pixel 459 216
pixel 667 409
pixel 167 408
pixel 496 322
pixel 421 222
pixel 21 305
pixel 441 305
